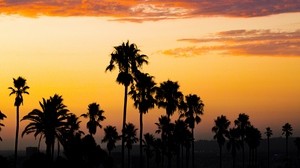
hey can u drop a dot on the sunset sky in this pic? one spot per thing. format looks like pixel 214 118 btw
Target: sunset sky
pixel 238 56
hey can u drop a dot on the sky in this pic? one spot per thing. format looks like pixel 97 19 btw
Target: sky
pixel 238 56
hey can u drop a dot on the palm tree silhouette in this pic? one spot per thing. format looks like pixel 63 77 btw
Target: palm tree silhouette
pixel 95 115
pixel 233 143
pixel 221 129
pixel 129 60
pixel 111 136
pixel 50 122
pixel 149 147
pixel 143 95
pixel 287 131
pixel 193 108
pixel 268 133
pixel 130 138
pixel 252 138
pixel 181 135
pixel 19 89
pixel 242 122
pixel 2 116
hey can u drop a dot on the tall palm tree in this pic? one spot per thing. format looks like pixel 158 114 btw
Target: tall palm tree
pixel 268 133
pixel 193 108
pixel 128 59
pixel 2 116
pixel 111 136
pixel 149 146
pixel 169 97
pixel 50 122
pixel 143 95
pixel 181 135
pixel 130 138
pixel 287 131
pixel 221 129
pixel 242 122
pixel 233 143
pixel 95 115
pixel 19 89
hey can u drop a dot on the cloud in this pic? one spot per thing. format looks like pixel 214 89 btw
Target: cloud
pixel 141 10
pixel 242 42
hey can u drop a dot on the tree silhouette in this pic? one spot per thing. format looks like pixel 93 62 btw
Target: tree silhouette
pixel 233 143
pixel 149 147
pixel 181 136
pixel 268 133
pixel 221 129
pixel 129 60
pixel 193 108
pixel 252 138
pixel 19 89
pixel 242 122
pixel 2 116
pixel 50 122
pixel 287 131
pixel 111 136
pixel 130 138
pixel 143 95
pixel 95 115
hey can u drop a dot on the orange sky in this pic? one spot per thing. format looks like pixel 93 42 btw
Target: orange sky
pixel 242 60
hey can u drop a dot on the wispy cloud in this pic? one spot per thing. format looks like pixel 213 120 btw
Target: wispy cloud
pixel 242 42
pixel 141 10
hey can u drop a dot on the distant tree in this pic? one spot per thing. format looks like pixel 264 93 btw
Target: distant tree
pixel 193 108
pixel 149 141
pixel 111 136
pixel 268 133
pixel 221 129
pixel 95 115
pixel 2 116
pixel 181 132
pixel 287 131
pixel 234 143
pixel 128 59
pixel 142 92
pixel 130 138
pixel 253 137
pixel 242 122
pixel 297 144
pixel 50 122
pixel 19 89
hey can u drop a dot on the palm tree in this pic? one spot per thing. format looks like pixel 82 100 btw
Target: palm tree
pixel 221 129
pixel 129 60
pixel 287 131
pixel 193 108
pixel 233 143
pixel 111 137
pixel 181 135
pixel 2 116
pixel 252 138
pixel 50 122
pixel 169 97
pixel 242 122
pixel 130 138
pixel 149 146
pixel 95 115
pixel 143 95
pixel 268 133
pixel 19 89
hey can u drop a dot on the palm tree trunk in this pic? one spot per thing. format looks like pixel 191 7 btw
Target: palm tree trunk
pixel 233 161
pixel 17 136
pixel 182 156
pixel 286 146
pixel 193 150
pixel 58 148
pixel 129 158
pixel 268 152
pixel 220 147
pixel 243 152
pixel 178 156
pixel 187 155
pixel 123 125
pixel 39 143
pixel 141 140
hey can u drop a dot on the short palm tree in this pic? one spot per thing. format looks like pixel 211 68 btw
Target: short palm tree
pixel 242 122
pixel 252 138
pixel 221 129
pixel 128 59
pixel 193 108
pixel 143 95
pixel 19 89
pixel 111 136
pixel 149 141
pixel 2 116
pixel 50 122
pixel 268 133
pixel 130 138
pixel 234 143
pixel 287 131
pixel 95 116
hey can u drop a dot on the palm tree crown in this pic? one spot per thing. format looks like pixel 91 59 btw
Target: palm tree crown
pixel 95 115
pixel 2 116
pixel 287 130
pixel 111 137
pixel 19 89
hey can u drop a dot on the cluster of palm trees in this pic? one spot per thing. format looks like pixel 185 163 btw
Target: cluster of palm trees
pixel 244 132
